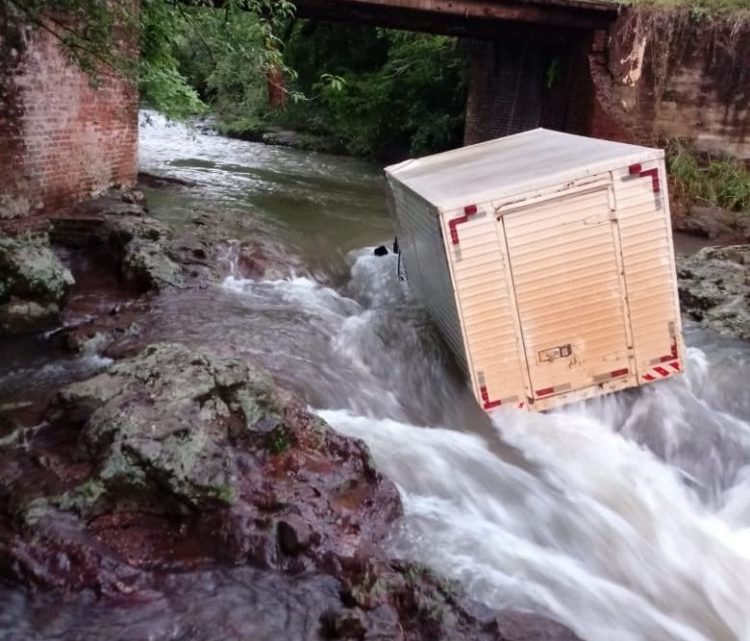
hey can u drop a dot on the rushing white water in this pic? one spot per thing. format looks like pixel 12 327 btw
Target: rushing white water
pixel 626 518
pixel 629 520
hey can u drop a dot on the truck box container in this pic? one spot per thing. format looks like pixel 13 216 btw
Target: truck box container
pixel 546 261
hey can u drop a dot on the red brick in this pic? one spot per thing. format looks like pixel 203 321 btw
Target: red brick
pixel 60 139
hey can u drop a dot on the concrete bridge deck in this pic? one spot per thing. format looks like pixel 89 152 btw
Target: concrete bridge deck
pixel 472 18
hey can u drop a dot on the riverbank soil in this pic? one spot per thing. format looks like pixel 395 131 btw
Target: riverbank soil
pixel 174 460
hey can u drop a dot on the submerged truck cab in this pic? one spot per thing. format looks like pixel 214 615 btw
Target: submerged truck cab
pixel 546 261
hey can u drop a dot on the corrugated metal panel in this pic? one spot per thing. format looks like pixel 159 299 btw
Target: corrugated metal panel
pixel 648 259
pixel 569 291
pixel 428 275
pixel 489 322
pixel 573 293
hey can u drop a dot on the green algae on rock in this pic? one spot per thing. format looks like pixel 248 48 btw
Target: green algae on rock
pixel 33 284
pixel 171 458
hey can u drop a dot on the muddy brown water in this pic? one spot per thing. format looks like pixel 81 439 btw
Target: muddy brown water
pixel 626 518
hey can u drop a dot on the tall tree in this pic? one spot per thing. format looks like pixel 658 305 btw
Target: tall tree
pixel 101 36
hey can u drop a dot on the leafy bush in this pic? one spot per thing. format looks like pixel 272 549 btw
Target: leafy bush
pixel 380 93
pixel 383 93
pixel 187 48
pixel 711 181
pixel 699 8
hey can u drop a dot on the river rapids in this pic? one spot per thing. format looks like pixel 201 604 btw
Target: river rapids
pixel 626 518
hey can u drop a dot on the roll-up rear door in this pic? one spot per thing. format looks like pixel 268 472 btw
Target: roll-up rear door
pixel 565 259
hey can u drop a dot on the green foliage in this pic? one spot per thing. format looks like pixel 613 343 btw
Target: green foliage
pixel 711 181
pixel 223 55
pixel 383 93
pixel 227 60
pixel 279 440
pixel 85 28
pixel 161 84
pixel 698 9
pixel 236 40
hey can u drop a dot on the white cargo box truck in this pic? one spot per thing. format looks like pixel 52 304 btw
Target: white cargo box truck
pixel 546 260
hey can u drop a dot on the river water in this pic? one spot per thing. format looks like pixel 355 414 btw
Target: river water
pixel 626 518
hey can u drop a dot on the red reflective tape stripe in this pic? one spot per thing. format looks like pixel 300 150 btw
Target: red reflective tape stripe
pixel 637 170
pixel 649 377
pixel 672 353
pixel 662 371
pixel 545 392
pixel 620 372
pixel 452 226
pixel 675 366
pixel 654 173
pixel 486 402
pixel 469 210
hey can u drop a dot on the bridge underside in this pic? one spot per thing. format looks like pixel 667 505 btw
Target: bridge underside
pixel 528 59
pixel 516 84
pixel 466 18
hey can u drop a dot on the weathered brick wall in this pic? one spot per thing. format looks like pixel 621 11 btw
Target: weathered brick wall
pixel 61 139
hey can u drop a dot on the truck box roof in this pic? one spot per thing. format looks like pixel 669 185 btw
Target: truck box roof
pixel 512 165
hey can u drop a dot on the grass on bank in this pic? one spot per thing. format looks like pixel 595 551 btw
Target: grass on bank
pixel 705 180
pixel 699 8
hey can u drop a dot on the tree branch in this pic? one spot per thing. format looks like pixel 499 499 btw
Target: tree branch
pixel 66 42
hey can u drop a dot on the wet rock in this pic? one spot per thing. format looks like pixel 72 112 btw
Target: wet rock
pixel 294 139
pixel 174 438
pixel 177 460
pixel 116 228
pixel 145 264
pixel 122 230
pixel 294 534
pixel 147 254
pixel 714 223
pixel 158 181
pixel 282 138
pixel 251 261
pixel 714 286
pixel 339 623
pixel 177 474
pixel 524 626
pixel 33 284
pixel 62 555
pixel 401 600
pixel 23 316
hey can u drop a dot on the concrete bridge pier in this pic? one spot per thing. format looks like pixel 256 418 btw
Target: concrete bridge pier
pixel 523 79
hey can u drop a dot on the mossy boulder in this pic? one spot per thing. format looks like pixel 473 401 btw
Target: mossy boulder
pixel 202 454
pixel 180 459
pixel 33 284
pixel 164 421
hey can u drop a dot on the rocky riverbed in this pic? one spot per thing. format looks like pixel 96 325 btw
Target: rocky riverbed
pixel 173 460
pixel 714 286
